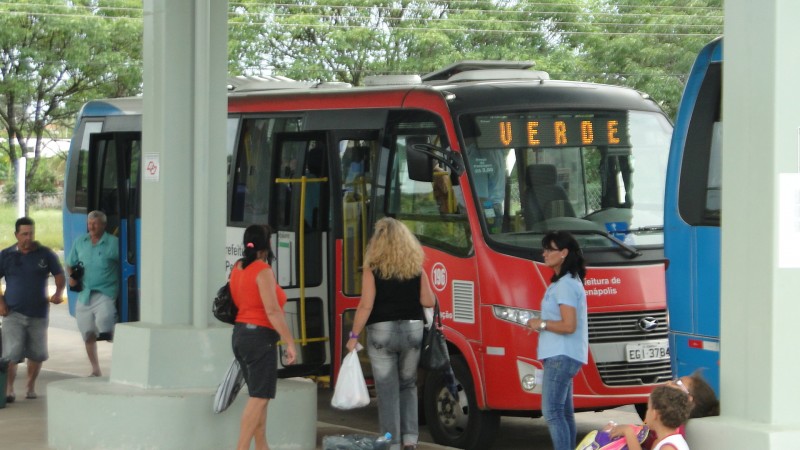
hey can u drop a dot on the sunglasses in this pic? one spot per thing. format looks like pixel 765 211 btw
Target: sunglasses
pixel 681 386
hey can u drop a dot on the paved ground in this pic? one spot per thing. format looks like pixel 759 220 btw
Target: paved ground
pixel 23 424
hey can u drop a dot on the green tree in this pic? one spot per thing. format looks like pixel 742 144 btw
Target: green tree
pixel 643 44
pixel 338 40
pixel 637 43
pixel 55 55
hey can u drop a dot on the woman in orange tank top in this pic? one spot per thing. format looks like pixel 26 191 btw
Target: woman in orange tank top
pixel 260 324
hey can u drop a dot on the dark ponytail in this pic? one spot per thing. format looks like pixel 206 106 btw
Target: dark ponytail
pixel 574 263
pixel 256 239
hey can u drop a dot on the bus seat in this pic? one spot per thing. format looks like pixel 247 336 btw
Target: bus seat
pixel 544 195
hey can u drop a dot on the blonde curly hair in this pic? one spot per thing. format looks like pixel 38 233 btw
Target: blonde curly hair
pixel 394 251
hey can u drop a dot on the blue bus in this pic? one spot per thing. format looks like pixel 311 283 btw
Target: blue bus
pixel 692 221
pixel 108 181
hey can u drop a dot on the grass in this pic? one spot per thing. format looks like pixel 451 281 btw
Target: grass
pixel 48 226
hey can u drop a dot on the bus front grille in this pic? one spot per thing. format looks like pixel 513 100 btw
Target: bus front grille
pixel 635 374
pixel 627 326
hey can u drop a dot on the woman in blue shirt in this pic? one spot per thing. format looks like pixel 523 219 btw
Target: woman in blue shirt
pixel 563 334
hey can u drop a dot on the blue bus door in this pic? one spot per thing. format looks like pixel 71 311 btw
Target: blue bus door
pixel 114 187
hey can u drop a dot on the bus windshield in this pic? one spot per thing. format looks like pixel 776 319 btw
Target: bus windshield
pixel 596 173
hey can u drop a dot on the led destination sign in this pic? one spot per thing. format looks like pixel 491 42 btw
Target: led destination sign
pixel 529 130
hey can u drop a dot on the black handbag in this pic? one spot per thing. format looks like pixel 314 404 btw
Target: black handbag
pixel 223 307
pixel 434 354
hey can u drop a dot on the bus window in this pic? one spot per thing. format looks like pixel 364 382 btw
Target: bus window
pixel 301 156
pixel 107 195
pixel 230 144
pixel 713 208
pixel 81 195
pixel 252 183
pixel 701 166
pixel 428 208
pixel 538 171
pixel 357 158
pixel 133 198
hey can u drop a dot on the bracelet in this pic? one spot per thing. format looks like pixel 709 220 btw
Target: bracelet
pixel 353 335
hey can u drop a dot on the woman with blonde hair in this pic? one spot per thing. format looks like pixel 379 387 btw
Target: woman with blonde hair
pixel 393 292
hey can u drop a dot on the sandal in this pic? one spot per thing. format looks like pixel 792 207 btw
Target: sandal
pixel 31 395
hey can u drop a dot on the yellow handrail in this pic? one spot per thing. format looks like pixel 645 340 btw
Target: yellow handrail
pixel 303 180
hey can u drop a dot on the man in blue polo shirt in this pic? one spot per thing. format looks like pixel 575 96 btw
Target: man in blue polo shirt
pixel 98 253
pixel 26 266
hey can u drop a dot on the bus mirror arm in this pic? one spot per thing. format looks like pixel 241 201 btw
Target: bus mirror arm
pixel 449 158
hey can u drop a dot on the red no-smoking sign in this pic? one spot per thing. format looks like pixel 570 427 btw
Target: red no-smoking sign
pixel 152 167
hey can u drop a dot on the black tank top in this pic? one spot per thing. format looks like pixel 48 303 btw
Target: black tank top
pixel 396 299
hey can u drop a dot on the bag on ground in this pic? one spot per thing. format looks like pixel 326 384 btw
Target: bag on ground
pixel 351 389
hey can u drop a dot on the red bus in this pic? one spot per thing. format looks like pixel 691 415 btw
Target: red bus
pixel 479 159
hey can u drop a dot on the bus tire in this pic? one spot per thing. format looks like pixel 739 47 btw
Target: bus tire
pixel 458 424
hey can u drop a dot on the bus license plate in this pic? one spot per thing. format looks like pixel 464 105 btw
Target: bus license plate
pixel 647 351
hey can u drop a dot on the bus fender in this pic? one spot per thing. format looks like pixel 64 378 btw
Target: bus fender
pixel 457 343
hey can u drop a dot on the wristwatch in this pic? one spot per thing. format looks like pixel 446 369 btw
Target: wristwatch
pixel 353 335
pixel 542 325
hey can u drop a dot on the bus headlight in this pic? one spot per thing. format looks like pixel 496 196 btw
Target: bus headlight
pixel 515 315
pixel 529 382
pixel 530 377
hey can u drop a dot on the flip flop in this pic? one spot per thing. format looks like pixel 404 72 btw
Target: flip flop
pixel 31 395
pixel 10 398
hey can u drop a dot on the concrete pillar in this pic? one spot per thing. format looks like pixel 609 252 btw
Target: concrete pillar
pixel 760 231
pixel 165 369
pixel 183 133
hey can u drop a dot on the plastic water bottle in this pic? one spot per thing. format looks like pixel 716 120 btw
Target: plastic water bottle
pixel 337 443
pixel 383 442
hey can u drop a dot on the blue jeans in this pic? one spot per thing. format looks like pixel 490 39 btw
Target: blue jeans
pixel 557 406
pixel 393 348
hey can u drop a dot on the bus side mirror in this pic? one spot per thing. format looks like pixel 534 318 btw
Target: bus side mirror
pixel 421 156
pixel 420 163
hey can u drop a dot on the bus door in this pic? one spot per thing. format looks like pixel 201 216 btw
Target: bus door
pixel 356 155
pixel 114 188
pixel 300 216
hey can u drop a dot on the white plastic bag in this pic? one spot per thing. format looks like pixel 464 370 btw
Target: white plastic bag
pixel 351 389
pixel 230 386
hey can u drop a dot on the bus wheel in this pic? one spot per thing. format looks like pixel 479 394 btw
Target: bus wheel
pixel 458 423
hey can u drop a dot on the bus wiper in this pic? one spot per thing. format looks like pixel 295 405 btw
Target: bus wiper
pixel 632 251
